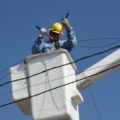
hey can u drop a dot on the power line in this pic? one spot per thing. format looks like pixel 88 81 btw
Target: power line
pixel 101 38
pixel 59 86
pixel 100 46
pixel 4 76
pixel 95 103
pixel 83 58
pixel 55 79
pixel 83 40
pixel 40 83
pixel 5 69
pixel 92 96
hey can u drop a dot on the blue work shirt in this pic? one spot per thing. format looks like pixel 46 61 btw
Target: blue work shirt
pixel 41 46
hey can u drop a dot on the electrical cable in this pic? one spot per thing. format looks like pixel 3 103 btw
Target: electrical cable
pixel 59 86
pixel 101 38
pixel 95 103
pixel 5 69
pixel 38 84
pixel 92 96
pixel 4 76
pixel 83 58
pixel 54 79
pixel 84 40
pixel 100 46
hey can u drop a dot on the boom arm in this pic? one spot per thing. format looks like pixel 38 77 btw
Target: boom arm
pixel 105 64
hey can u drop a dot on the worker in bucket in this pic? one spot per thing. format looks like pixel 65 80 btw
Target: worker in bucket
pixel 41 45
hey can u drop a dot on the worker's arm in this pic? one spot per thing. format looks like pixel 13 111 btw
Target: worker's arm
pixel 71 41
pixel 71 37
pixel 38 44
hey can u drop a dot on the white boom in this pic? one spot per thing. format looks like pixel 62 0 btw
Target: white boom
pixel 98 70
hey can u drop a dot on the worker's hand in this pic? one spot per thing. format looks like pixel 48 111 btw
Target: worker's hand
pixel 66 23
pixel 43 31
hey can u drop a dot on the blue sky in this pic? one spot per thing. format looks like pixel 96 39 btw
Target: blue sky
pixel 90 19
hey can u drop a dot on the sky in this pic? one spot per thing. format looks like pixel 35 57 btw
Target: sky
pixel 90 19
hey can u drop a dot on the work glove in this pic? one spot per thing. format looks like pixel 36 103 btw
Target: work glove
pixel 66 23
pixel 43 31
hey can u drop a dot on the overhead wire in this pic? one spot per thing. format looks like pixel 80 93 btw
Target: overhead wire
pixel 59 86
pixel 4 76
pixel 75 61
pixel 95 103
pixel 100 46
pixel 41 83
pixel 91 94
pixel 83 40
pixel 5 69
pixel 101 38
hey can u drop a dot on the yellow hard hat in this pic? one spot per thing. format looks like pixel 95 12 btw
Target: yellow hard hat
pixel 56 28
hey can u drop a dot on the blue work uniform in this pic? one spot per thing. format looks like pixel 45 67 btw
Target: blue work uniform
pixel 41 46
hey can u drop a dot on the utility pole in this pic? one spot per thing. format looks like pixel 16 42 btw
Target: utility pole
pixel 50 92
